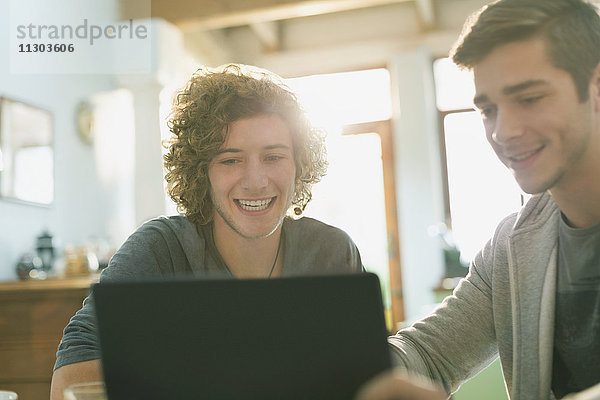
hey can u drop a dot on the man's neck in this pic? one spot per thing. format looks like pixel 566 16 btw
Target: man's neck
pixel 248 258
pixel 581 212
pixel 580 201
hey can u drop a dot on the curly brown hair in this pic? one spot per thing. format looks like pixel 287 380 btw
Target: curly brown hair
pixel 210 102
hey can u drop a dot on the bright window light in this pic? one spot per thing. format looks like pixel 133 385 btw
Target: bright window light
pixel 454 89
pixel 481 190
pixel 345 98
pixel 351 195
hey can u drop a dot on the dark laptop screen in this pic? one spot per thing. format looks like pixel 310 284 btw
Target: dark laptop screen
pixel 290 338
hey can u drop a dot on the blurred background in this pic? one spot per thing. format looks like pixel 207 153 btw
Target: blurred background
pixel 411 177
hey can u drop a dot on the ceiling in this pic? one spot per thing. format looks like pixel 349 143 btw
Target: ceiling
pixel 295 37
pixel 194 14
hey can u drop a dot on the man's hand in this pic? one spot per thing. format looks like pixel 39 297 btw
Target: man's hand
pixel 592 393
pixel 397 385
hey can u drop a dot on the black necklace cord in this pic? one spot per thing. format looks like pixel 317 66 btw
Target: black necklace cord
pixel 276 257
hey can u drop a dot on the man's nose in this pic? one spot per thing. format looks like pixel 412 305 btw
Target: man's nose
pixel 507 127
pixel 255 176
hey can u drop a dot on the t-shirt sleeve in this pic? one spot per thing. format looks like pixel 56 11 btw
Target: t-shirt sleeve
pixel 317 248
pixel 458 339
pixel 79 338
pixel 144 254
pixel 340 251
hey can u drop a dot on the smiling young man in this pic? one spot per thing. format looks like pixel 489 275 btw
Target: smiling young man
pixel 532 296
pixel 252 186
pixel 243 154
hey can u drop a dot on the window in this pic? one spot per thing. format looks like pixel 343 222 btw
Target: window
pixel 356 194
pixel 480 191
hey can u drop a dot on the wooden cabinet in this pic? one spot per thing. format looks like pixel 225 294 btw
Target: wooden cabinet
pixel 33 315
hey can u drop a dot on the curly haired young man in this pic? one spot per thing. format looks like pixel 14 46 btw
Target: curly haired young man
pixel 243 155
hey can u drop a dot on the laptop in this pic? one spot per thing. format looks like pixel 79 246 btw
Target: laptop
pixel 317 337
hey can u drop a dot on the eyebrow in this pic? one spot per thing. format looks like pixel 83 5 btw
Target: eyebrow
pixel 512 89
pixel 269 147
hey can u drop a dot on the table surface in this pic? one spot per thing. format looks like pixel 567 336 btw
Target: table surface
pixel 49 284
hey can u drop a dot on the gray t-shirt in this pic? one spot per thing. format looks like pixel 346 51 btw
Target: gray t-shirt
pixel 173 246
pixel 576 364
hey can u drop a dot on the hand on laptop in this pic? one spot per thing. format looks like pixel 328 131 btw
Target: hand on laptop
pixel 396 385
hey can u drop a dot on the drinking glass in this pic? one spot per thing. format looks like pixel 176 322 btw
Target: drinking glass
pixel 7 395
pixel 85 391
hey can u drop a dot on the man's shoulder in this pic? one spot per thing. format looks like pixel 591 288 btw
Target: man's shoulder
pixel 163 244
pixel 169 231
pixel 317 247
pixel 537 211
pixel 167 224
pixel 310 227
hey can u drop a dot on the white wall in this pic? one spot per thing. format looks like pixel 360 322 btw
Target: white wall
pixel 84 203
pixel 114 146
pixel 105 189
pixel 72 217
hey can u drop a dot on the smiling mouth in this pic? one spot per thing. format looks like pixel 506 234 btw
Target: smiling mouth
pixel 525 156
pixel 255 205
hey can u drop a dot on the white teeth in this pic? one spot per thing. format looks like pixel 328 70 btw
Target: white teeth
pixel 254 205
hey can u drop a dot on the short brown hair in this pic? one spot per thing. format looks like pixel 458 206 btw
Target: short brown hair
pixel 203 110
pixel 570 28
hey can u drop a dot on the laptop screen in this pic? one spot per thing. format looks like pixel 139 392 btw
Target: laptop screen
pixel 290 338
